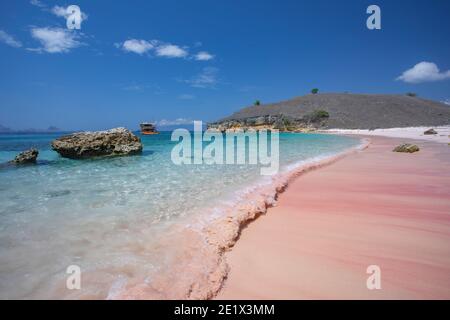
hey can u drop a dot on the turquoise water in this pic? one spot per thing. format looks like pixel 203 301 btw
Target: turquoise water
pixel 110 216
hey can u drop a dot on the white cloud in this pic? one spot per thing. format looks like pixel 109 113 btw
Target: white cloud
pixel 203 56
pixel 446 101
pixel 170 51
pixel 206 79
pixel 60 11
pixel 137 46
pixel 424 72
pixel 63 13
pixel 161 49
pixel 9 40
pixel 38 3
pixel 179 121
pixel 55 40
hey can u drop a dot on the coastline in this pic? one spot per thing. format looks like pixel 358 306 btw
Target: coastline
pixel 204 245
pixel 332 223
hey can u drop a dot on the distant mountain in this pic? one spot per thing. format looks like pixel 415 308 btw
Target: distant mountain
pixel 341 110
pixel 53 129
pixel 4 129
pixel 178 126
pixel 50 129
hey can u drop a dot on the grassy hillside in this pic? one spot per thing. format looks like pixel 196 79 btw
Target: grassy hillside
pixel 340 110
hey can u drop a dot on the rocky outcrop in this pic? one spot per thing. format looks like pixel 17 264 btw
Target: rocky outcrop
pixel 430 131
pixel 406 147
pixel 82 145
pixel 28 156
pixel 309 122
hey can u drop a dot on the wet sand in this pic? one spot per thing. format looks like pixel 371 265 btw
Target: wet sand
pixel 373 207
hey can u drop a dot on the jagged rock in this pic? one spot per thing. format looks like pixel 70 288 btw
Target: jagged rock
pixel 28 156
pixel 430 131
pixel 114 142
pixel 406 147
pixel 311 121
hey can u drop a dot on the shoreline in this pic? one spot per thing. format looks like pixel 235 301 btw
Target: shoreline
pixel 212 239
pixel 258 265
pixel 442 136
pixel 223 233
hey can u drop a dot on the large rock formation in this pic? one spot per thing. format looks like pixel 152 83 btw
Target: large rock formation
pixel 339 110
pixel 309 122
pixel 82 145
pixel 28 156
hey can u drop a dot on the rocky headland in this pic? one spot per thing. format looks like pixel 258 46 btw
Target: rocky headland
pixel 338 111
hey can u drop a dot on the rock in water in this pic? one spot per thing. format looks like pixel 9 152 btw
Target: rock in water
pixel 406 147
pixel 28 156
pixel 430 131
pixel 82 145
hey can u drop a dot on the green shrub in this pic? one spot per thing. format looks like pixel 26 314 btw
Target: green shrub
pixel 317 116
pixel 321 114
pixel 315 91
pixel 411 94
pixel 257 103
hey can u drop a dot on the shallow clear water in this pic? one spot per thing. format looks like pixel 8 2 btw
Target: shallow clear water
pixel 109 216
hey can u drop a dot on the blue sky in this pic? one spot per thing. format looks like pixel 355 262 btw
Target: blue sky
pixel 167 60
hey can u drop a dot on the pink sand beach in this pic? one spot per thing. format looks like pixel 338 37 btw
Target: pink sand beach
pixel 373 207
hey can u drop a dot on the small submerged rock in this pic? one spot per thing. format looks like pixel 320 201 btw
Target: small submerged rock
pixel 83 145
pixel 28 156
pixel 406 147
pixel 430 131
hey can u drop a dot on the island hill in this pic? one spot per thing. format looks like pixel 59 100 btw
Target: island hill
pixel 339 111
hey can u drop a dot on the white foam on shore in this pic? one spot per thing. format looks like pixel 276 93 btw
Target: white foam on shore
pixel 442 136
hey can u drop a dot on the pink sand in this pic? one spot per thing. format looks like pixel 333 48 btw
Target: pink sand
pixel 373 207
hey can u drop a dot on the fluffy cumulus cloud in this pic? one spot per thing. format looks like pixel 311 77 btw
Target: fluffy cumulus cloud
pixel 170 51
pixel 137 46
pixel 424 72
pixel 203 56
pixel 446 101
pixel 63 13
pixel 55 40
pixel 161 49
pixel 157 47
pixel 9 40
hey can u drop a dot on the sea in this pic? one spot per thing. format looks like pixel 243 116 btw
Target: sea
pixel 133 225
